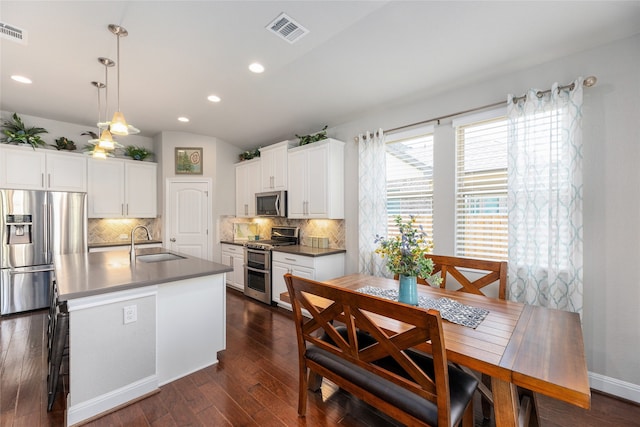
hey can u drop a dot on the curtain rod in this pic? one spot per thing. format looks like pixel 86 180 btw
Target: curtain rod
pixel 588 82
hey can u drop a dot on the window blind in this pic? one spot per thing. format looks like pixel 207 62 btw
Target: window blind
pixel 409 163
pixel 481 190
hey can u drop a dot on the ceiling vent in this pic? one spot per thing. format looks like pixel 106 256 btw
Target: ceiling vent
pixel 12 33
pixel 287 28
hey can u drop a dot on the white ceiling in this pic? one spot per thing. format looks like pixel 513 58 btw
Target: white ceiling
pixel 358 55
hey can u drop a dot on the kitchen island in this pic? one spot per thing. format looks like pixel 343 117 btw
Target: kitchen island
pixel 136 326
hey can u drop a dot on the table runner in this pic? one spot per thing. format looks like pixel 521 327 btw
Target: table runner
pixel 449 309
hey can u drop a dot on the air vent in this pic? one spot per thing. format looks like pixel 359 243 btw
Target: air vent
pixel 12 33
pixel 287 28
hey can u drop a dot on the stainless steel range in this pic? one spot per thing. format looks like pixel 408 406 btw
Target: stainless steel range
pixel 257 261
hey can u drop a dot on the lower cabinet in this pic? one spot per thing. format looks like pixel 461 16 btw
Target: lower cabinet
pixel 233 256
pixel 310 267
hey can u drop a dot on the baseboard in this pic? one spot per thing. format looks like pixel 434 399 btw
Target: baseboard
pixel 615 387
pixel 103 403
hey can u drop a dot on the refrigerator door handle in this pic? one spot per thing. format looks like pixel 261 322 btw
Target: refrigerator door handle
pixel 45 238
pixel 30 270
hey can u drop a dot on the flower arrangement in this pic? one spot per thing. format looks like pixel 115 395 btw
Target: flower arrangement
pixel 405 253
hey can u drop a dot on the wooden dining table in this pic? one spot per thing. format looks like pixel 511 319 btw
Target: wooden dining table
pixel 537 348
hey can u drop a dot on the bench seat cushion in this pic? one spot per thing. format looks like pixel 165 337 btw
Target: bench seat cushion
pixel 461 385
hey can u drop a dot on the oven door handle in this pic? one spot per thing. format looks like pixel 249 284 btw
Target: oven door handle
pixel 256 269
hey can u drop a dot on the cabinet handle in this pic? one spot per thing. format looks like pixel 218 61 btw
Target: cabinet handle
pixel 291 259
pixel 122 209
pixel 49 184
pixel 42 179
pixel 127 209
pixel 272 182
pixel 246 209
pixel 173 239
pixel 230 261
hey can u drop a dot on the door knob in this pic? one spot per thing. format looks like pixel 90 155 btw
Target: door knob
pixel 172 239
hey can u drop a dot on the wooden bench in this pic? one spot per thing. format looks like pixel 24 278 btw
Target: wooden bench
pixel 379 368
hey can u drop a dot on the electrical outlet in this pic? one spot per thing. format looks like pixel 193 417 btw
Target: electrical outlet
pixel 124 237
pixel 130 314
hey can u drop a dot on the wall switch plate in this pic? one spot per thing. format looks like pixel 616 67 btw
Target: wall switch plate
pixel 124 237
pixel 130 314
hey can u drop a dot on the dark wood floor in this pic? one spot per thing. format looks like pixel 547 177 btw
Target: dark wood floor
pixel 255 384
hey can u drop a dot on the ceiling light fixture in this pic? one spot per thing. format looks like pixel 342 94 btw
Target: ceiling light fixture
pixel 21 79
pixel 214 98
pixel 118 124
pixel 183 119
pixel 256 68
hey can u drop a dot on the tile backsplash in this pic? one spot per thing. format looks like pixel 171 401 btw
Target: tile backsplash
pixel 111 230
pixel 331 228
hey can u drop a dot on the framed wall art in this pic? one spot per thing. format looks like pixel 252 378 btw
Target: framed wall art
pixel 188 160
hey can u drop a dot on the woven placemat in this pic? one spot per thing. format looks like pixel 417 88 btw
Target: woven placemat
pixel 449 309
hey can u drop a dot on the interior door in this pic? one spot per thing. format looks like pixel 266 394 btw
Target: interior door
pixel 188 221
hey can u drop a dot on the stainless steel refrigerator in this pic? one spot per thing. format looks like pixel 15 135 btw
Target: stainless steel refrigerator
pixel 34 227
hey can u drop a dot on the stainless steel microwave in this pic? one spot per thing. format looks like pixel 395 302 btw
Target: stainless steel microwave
pixel 271 203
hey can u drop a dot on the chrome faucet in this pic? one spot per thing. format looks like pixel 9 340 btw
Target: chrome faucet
pixel 132 251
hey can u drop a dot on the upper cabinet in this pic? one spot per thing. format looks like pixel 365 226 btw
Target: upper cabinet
pixel 247 185
pixel 122 189
pixel 316 180
pixel 27 169
pixel 273 166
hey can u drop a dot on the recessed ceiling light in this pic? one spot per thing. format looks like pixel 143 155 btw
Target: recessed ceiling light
pixel 21 79
pixel 183 119
pixel 256 68
pixel 213 98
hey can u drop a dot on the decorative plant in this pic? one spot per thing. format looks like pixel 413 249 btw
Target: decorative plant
pixel 90 133
pixel 137 153
pixel 63 143
pixel 405 252
pixel 250 154
pixel 314 137
pixel 15 131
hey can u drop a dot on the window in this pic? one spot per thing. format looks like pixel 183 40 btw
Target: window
pixel 481 189
pixel 409 163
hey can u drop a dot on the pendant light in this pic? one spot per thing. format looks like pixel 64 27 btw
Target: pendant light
pixel 118 124
pixel 105 141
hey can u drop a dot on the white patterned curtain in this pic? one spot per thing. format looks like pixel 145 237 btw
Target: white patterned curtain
pixel 372 202
pixel 545 198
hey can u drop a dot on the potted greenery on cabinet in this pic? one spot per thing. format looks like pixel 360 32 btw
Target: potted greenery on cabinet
pixel 16 132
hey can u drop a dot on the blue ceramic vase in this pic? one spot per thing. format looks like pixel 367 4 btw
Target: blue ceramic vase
pixel 408 291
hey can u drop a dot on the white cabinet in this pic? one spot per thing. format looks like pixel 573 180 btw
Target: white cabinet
pixel 310 267
pixel 273 166
pixel 247 185
pixel 122 189
pixel 316 180
pixel 233 256
pixel 27 169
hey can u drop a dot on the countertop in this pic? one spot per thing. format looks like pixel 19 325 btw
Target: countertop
pixel 308 250
pixel 85 274
pixel 123 243
pixel 296 249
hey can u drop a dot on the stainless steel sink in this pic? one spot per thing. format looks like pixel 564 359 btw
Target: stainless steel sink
pixel 159 257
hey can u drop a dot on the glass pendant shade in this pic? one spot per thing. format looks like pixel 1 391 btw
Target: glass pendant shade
pixel 99 153
pixel 106 140
pixel 118 124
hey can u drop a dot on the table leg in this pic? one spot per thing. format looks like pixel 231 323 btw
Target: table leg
pixel 505 403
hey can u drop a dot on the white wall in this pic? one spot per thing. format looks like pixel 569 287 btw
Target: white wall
pixel 218 158
pixel 611 318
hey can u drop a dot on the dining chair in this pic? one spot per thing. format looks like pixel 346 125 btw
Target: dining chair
pixel 479 274
pixel 376 366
